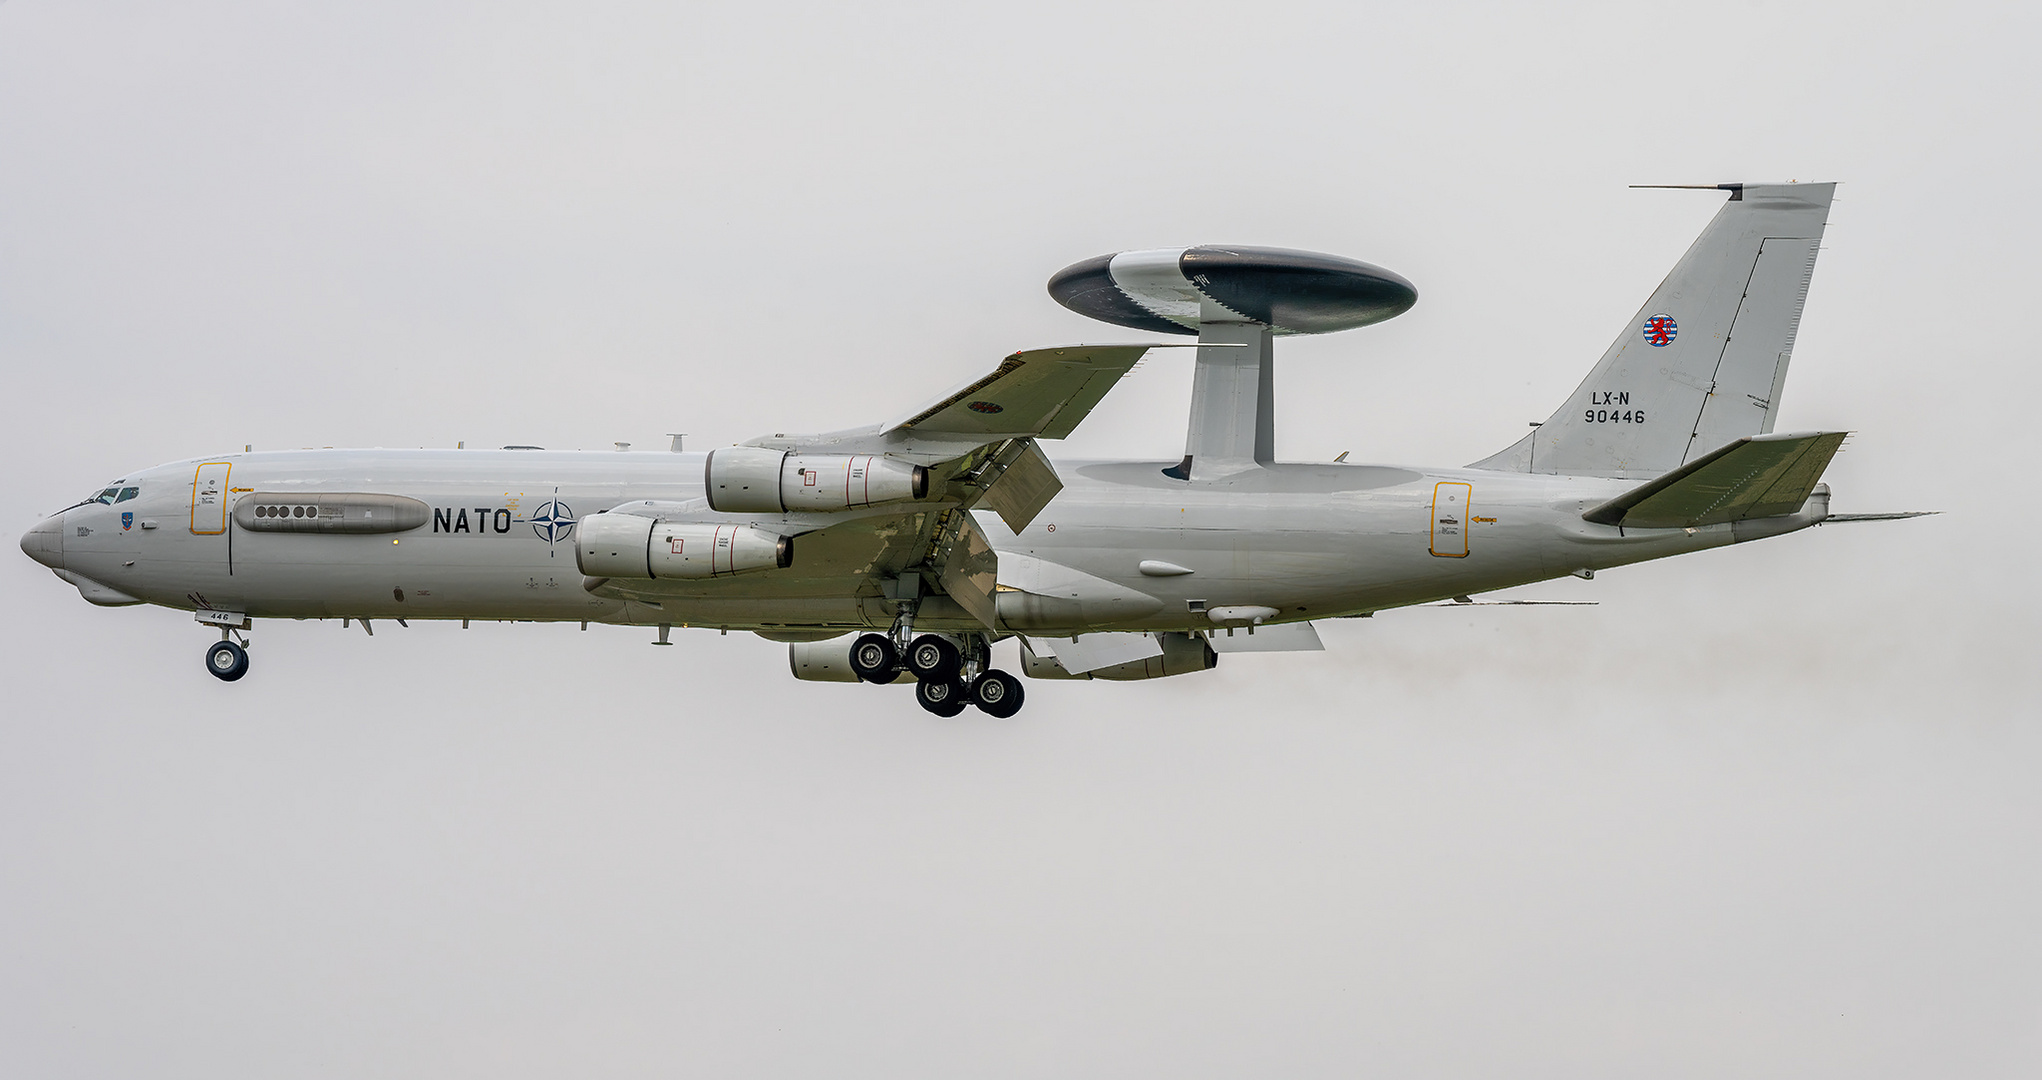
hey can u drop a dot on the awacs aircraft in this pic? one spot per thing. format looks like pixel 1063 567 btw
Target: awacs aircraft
pixel 907 549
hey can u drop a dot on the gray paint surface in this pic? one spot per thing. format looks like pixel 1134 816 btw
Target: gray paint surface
pixel 1766 811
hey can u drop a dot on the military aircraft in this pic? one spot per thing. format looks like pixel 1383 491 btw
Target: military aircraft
pixel 907 549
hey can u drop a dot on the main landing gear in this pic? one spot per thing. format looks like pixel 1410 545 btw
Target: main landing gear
pixel 947 676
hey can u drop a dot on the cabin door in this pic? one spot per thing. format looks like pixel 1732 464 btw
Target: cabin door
pixel 1450 519
pixel 209 498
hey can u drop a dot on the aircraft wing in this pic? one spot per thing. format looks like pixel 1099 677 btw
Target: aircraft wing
pixel 980 438
pixel 1039 392
pixel 1032 394
pixel 979 445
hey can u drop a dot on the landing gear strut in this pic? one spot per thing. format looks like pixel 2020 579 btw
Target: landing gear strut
pixel 950 672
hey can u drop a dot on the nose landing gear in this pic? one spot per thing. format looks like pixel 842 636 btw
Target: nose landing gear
pixel 227 660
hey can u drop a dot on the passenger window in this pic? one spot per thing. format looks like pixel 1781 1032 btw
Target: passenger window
pixel 128 493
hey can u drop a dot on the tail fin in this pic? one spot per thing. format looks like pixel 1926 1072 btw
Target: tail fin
pixel 1703 363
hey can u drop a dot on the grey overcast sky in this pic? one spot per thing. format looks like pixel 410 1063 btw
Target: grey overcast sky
pixel 1763 812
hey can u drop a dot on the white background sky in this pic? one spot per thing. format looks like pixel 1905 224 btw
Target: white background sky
pixel 1771 811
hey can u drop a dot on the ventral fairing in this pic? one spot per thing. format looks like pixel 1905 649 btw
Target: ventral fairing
pixel 901 552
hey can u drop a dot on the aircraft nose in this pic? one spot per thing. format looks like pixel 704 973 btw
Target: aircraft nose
pixel 45 543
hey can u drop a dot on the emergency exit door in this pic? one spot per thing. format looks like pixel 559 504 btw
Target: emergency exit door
pixel 1450 519
pixel 209 498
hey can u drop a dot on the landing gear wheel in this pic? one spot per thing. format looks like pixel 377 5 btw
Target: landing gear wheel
pixel 942 698
pixel 874 658
pixel 934 659
pixel 997 693
pixel 227 661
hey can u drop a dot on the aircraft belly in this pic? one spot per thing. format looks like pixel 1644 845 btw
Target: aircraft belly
pixel 321 576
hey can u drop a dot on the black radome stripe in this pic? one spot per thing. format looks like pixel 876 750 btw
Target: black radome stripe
pixel 1297 292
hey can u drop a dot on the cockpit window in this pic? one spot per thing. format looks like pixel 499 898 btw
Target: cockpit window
pixel 126 494
pixel 106 496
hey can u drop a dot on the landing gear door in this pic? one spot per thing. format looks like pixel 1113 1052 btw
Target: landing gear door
pixel 209 498
pixel 1450 519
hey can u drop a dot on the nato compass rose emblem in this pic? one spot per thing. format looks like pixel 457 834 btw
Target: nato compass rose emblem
pixel 1660 331
pixel 554 522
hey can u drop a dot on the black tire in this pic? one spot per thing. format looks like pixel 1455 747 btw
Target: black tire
pixel 941 698
pixel 875 659
pixel 227 661
pixel 997 693
pixel 933 659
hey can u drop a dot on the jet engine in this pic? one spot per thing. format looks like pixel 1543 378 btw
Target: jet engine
pixel 755 480
pixel 615 545
pixel 828 660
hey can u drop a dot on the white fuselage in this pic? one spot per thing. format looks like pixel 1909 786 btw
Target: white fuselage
pixel 1309 540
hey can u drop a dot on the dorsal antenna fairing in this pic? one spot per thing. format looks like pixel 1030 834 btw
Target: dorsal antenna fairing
pixel 1237 300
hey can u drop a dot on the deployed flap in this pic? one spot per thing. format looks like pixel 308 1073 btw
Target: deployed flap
pixel 1030 574
pixel 1284 637
pixel 969 569
pixel 1025 485
pixel 1040 392
pixel 1762 476
pixel 1090 652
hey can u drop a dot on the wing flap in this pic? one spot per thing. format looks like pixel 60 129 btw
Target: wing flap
pixel 1024 486
pixel 1090 652
pixel 1283 637
pixel 969 569
pixel 1758 477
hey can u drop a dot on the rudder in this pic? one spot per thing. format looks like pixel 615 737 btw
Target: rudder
pixel 1705 360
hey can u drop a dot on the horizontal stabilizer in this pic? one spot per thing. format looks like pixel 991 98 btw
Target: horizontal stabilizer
pixel 1758 477
pixel 1459 603
pixel 1899 515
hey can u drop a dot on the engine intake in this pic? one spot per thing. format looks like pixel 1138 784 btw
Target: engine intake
pixel 755 480
pixel 614 545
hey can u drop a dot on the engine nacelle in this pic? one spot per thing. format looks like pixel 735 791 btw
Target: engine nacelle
pixel 822 661
pixel 1182 655
pixel 614 545
pixel 755 480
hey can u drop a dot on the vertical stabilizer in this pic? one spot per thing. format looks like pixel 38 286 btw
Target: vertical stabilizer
pixel 1703 363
